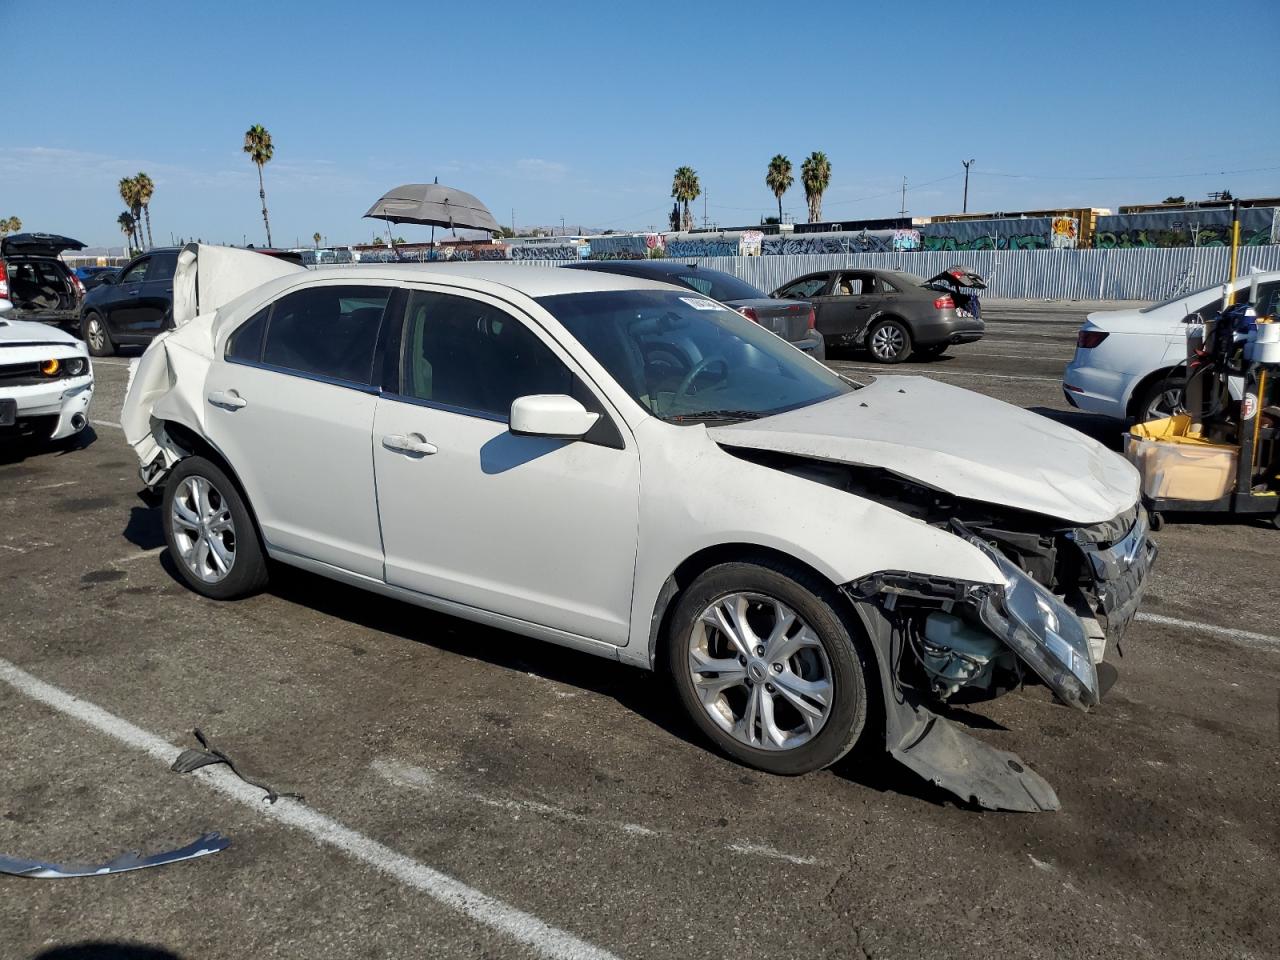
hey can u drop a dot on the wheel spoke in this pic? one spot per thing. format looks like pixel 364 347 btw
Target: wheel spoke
pixel 184 514
pixel 222 522
pixel 802 694
pixel 221 555
pixel 768 725
pixel 729 616
pixel 202 565
pixel 745 728
pixel 787 647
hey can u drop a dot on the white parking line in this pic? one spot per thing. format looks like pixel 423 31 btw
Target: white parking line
pixel 110 363
pixel 1246 637
pixel 106 423
pixel 141 555
pixel 523 927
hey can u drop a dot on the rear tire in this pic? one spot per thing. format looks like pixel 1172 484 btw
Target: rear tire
pixel 787 702
pixel 1161 398
pixel 211 536
pixel 889 341
pixel 93 329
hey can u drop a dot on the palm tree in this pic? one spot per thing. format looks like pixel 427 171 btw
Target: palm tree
pixel 779 179
pixel 10 225
pixel 315 238
pixel 129 194
pixel 685 188
pixel 815 174
pixel 258 145
pixel 126 226
pixel 146 189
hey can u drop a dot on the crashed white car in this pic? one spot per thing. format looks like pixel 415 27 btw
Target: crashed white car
pixel 634 470
pixel 46 381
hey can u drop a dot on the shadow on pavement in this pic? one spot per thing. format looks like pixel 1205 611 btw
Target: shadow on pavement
pixel 99 950
pixel 144 529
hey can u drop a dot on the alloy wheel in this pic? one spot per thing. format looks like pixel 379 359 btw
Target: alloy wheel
pixel 203 529
pixel 760 671
pixel 887 342
pixel 1166 403
pixel 97 335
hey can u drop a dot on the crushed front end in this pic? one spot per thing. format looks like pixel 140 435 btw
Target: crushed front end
pixel 1068 594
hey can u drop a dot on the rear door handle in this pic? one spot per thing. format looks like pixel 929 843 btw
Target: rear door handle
pixel 228 399
pixel 414 443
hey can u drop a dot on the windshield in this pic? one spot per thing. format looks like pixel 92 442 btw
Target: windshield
pixel 719 286
pixel 687 359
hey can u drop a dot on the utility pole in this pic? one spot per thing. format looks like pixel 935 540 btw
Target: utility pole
pixel 562 226
pixel 903 211
pixel 967 164
pixel 704 209
pixel 513 221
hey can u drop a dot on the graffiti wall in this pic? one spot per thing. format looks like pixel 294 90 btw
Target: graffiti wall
pixel 1064 233
pixel 1187 228
pixel 1013 233
pixel 544 251
pixel 636 246
pixel 862 241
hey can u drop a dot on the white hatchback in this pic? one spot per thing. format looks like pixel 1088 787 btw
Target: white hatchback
pixel 1128 363
pixel 636 471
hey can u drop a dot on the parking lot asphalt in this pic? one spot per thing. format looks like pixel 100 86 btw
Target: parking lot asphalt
pixel 470 793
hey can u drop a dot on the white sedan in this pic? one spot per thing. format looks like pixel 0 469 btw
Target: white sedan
pixel 636 471
pixel 46 381
pixel 1128 363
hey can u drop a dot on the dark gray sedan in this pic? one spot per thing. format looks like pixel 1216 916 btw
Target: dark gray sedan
pixel 793 320
pixel 890 313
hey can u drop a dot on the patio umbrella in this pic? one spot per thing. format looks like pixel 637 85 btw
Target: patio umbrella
pixel 433 204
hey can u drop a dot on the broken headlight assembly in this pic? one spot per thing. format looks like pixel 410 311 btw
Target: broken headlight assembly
pixel 1042 630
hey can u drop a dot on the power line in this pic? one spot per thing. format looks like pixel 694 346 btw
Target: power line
pixel 1166 176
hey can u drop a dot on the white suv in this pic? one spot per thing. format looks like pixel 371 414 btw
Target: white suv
pixel 1127 362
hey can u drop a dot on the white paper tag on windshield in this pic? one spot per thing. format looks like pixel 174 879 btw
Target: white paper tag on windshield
pixel 699 304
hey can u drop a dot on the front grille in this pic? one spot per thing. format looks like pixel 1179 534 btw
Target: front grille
pixel 21 374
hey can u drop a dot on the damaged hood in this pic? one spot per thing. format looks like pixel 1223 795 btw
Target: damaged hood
pixel 208 276
pixel 955 440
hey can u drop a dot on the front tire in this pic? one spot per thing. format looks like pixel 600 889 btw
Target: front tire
pixel 93 329
pixel 889 341
pixel 766 666
pixel 210 534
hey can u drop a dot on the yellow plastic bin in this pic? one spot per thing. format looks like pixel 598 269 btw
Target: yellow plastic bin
pixel 1176 465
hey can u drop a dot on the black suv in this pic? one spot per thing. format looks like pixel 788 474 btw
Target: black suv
pixel 131 308
pixel 40 286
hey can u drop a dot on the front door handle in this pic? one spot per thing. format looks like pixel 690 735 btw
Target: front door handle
pixel 414 443
pixel 228 399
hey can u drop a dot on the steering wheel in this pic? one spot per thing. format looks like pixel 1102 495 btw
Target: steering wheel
pixel 698 368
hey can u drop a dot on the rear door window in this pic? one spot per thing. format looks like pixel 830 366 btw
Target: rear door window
pixel 470 355
pixel 803 288
pixel 162 266
pixel 326 331
pixel 137 272
pixel 850 285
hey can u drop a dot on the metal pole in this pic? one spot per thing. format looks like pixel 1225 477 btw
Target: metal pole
pixel 903 211
pixel 965 206
pixel 1235 249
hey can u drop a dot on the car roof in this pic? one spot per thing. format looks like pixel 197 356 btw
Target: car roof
pixel 532 281
pixel 665 267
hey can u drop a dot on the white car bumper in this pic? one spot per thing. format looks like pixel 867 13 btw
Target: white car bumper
pixel 1095 389
pixel 50 411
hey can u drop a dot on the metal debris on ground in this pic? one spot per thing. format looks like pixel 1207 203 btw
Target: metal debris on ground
pixel 37 869
pixel 192 759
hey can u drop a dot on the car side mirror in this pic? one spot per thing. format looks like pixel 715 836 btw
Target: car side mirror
pixel 108 279
pixel 553 415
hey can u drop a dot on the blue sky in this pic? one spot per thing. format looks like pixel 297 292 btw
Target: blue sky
pixel 583 110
